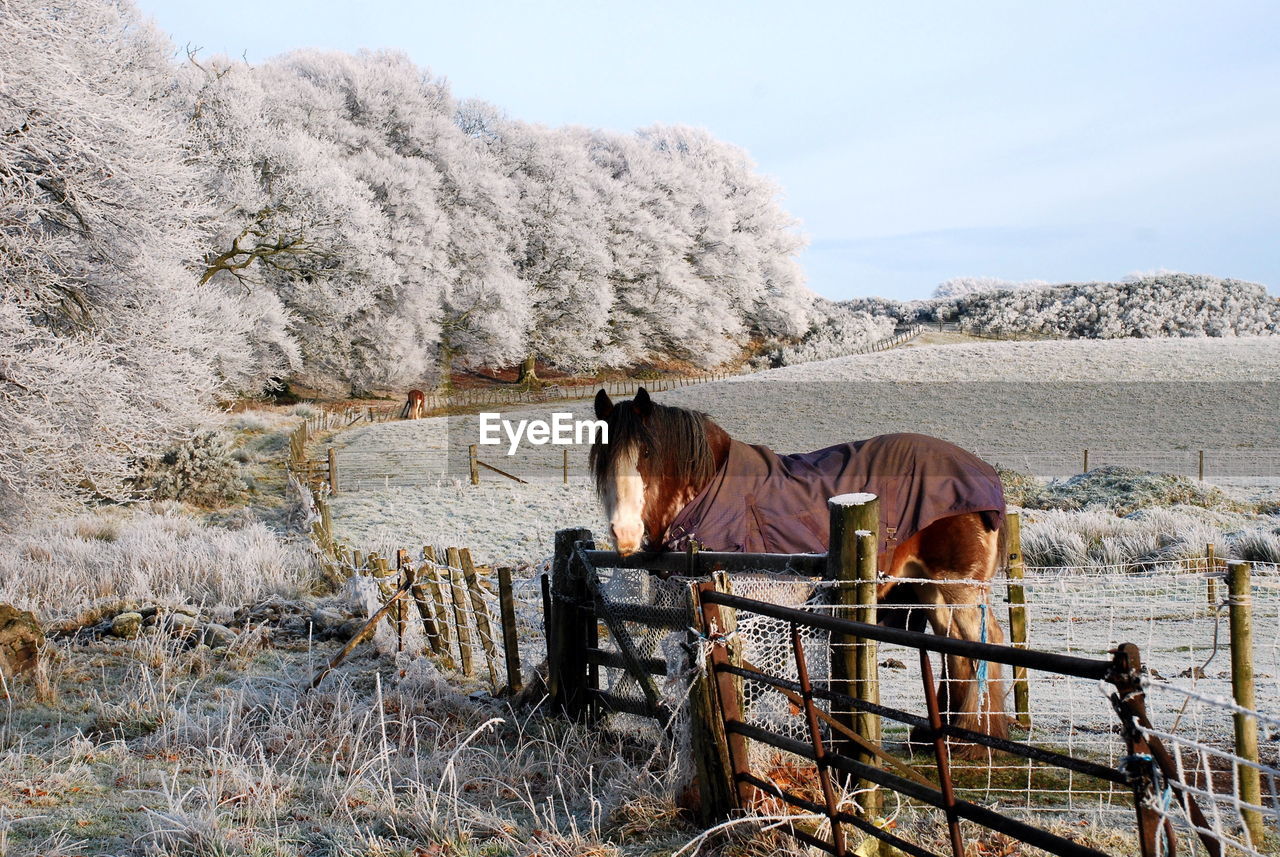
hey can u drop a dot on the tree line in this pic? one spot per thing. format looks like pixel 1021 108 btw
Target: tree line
pixel 178 230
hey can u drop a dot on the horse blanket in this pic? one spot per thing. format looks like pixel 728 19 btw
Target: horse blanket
pixel 763 502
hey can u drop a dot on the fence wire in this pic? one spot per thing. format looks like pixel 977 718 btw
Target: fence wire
pixel 1175 612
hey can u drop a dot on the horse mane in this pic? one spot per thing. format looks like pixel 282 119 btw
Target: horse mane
pixel 678 438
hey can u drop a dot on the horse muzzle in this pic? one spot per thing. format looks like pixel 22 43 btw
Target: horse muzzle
pixel 627 538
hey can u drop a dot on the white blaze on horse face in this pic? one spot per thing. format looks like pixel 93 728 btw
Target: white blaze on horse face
pixel 624 502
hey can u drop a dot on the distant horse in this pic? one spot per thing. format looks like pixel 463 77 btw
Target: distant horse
pixel 415 407
pixel 670 475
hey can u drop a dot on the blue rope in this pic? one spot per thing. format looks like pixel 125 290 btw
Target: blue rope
pixel 1166 843
pixel 982 665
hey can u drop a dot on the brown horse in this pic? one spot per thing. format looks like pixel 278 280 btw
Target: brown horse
pixel 415 406
pixel 669 474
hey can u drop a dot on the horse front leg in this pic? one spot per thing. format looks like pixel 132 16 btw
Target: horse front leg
pixel 970 692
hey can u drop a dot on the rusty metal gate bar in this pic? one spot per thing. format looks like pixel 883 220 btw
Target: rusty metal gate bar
pixel 941 754
pixel 1122 671
pixel 819 751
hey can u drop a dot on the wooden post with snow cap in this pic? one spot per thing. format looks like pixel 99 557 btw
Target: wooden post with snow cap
pixel 474 463
pixel 851 561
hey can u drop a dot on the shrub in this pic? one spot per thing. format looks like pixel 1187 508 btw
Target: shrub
pixel 1020 489
pixel 1125 490
pixel 1156 306
pixel 835 332
pixel 201 470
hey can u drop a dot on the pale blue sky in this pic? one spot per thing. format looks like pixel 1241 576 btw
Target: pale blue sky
pixel 916 141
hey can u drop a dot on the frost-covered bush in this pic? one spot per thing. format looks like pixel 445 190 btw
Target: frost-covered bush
pixel 1127 489
pixel 404 232
pixel 962 286
pixel 203 469
pixel 835 331
pixel 305 410
pixel 110 348
pixel 1155 306
pixel 1020 489
pixel 904 312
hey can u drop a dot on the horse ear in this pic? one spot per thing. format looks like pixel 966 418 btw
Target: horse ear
pixel 642 403
pixel 604 405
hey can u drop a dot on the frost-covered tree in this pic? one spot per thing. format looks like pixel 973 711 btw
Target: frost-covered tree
pixel 559 249
pixel 835 331
pixel 962 286
pixel 109 348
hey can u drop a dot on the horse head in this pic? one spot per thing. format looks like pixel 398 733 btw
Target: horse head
pixel 656 460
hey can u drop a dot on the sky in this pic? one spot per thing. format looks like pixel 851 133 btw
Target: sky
pixel 914 141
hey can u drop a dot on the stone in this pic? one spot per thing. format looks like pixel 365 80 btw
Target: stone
pixel 21 641
pixel 181 624
pixel 126 625
pixel 325 620
pixel 215 635
pixel 893 664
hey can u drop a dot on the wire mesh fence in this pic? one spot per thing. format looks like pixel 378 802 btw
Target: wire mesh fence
pixel 1173 611
pixel 1240 467
pixel 432 462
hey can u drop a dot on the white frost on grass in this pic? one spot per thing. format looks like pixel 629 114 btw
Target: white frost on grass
pixel 60 567
pixel 503 522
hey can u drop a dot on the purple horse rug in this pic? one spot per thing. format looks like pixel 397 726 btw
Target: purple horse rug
pixel 763 502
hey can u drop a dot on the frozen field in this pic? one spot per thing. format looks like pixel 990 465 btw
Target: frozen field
pixel 406 482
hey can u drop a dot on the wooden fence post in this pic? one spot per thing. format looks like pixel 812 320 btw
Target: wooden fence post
pixel 474 463
pixel 1017 613
pixel 567 628
pixel 459 598
pixel 404 570
pixel 851 561
pixel 708 743
pixel 566 466
pixel 326 517
pixel 1246 727
pixel 1211 580
pixel 441 613
pixel 1201 468
pixel 1086 462
pixel 719 757
pixel 868 651
pixel 510 637
pixel 481 612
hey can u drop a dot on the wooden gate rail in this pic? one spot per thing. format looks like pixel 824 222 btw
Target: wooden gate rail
pixel 1137 771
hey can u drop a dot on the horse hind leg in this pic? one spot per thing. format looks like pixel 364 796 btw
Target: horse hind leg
pixel 970 692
